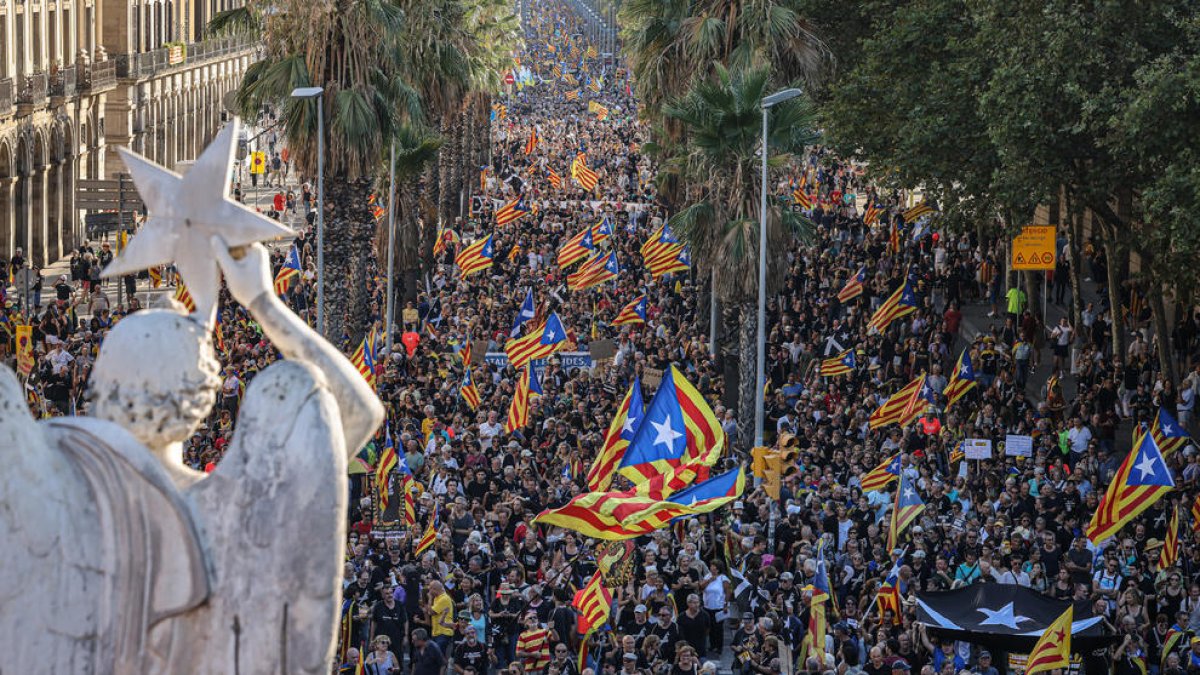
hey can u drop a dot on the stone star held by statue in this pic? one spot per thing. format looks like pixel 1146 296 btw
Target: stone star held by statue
pixel 185 212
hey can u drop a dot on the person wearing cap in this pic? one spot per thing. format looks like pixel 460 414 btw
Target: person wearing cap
pixel 629 664
pixel 984 665
pixel 635 623
pixel 900 666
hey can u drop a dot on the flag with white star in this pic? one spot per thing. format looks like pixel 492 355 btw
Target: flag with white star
pixel 1142 480
pixel 679 435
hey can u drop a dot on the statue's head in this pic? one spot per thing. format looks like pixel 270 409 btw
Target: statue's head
pixel 157 376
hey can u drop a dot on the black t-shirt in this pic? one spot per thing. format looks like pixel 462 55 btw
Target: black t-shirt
pixel 473 656
pixel 390 621
pixel 694 629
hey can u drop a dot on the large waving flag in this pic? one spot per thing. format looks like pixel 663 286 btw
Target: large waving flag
pixel 629 514
pixel 620 432
pixel 882 475
pixel 901 303
pixel 821 589
pixel 602 269
pixel 554 178
pixel 512 211
pixel 577 247
pixel 476 257
pixel 528 386
pixel 1053 649
pixel 1169 434
pixel 661 252
pixel 580 172
pixel 594 602
pixel 289 272
pixel 550 337
pixel 962 379
pixel 853 287
pixel 532 142
pixel 678 434
pixel 1142 479
pixel 813 644
pixel 906 508
pixel 526 313
pixel 679 261
pixel 468 390
pixel 634 312
pixel 872 214
pixel 898 408
pixel 842 364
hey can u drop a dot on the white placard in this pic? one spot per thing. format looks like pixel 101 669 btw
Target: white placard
pixel 1018 446
pixel 977 448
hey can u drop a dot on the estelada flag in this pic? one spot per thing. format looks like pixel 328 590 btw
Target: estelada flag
pixel 1053 649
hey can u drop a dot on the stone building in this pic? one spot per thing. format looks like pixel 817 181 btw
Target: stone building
pixel 79 78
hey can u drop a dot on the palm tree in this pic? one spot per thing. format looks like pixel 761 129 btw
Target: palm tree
pixel 416 148
pixel 720 165
pixel 350 48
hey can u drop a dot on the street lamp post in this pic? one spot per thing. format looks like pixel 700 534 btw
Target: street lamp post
pixel 391 252
pixel 315 92
pixel 760 364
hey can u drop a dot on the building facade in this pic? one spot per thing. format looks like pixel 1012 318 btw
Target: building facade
pixel 78 78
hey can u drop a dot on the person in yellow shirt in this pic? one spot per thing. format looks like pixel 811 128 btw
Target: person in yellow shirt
pixel 441 616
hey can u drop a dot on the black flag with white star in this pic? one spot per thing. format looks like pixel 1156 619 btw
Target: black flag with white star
pixel 1006 617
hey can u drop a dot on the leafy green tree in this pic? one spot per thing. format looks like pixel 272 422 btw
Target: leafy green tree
pixel 721 167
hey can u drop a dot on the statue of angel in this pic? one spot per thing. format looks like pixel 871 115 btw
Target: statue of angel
pixel 118 558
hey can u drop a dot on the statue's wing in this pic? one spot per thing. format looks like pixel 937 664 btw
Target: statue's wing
pixel 274 514
pixel 48 618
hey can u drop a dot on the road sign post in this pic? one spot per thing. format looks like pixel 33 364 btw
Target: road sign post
pixel 1033 248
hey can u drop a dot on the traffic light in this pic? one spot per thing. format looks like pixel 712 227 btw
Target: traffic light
pixel 787 462
pixel 757 464
pixel 772 473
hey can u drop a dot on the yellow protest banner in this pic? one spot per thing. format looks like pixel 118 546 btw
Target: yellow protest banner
pixel 25 360
pixel 1033 249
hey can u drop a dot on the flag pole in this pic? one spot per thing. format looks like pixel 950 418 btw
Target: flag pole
pixel 875 601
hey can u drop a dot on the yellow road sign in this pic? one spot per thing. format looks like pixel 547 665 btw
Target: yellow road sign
pixel 1033 249
pixel 258 162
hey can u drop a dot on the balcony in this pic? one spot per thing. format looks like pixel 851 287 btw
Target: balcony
pixel 62 83
pixel 95 78
pixel 146 65
pixel 33 92
pixel 6 96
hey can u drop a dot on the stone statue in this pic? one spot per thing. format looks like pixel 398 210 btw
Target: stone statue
pixel 117 557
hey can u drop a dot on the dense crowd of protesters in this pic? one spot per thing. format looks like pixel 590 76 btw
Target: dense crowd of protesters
pixel 493 593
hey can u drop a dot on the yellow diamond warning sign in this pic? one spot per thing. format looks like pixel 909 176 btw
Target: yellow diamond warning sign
pixel 1033 249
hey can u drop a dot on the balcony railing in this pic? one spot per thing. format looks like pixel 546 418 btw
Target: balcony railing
pixel 62 82
pixel 6 96
pixel 97 77
pixel 148 64
pixel 34 89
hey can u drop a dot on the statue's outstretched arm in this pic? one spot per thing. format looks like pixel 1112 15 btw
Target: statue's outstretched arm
pixel 249 280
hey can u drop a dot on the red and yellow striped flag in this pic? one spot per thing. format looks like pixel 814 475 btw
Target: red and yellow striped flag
pixel 1170 550
pixel 580 172
pixel 594 602
pixel 1053 649
pixel 429 537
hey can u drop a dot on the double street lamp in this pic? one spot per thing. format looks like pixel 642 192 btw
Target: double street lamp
pixel 760 365
pixel 315 93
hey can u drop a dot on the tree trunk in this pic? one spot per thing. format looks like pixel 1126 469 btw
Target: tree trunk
pixel 428 212
pixel 349 237
pixel 446 161
pixel 1075 274
pixel 409 246
pixel 1162 333
pixel 1115 254
pixel 747 374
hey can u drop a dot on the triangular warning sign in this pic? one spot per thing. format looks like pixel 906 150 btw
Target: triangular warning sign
pixel 1020 258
